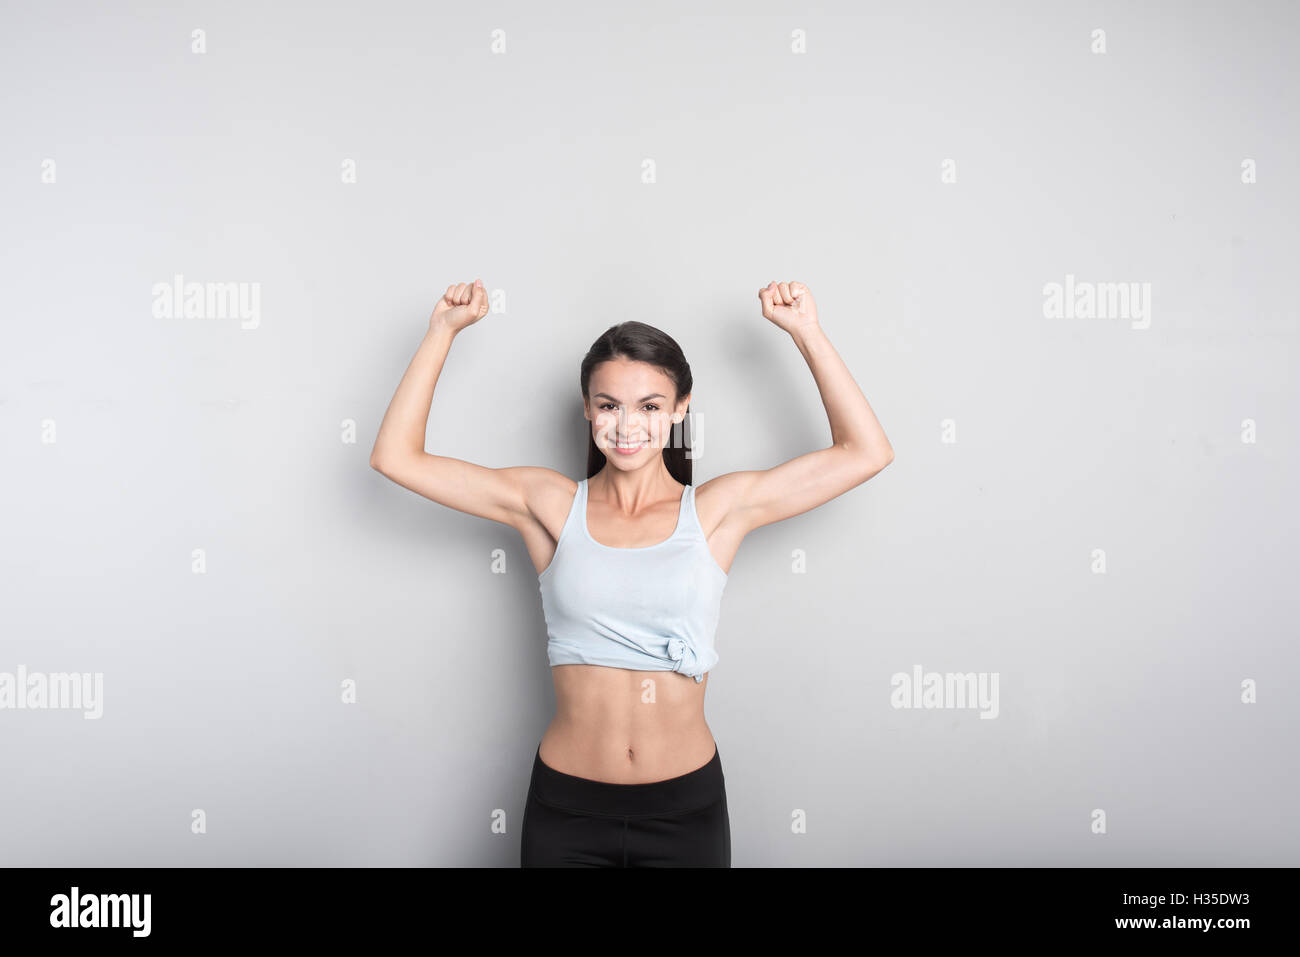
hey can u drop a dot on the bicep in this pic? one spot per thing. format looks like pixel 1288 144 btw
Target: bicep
pixel 756 498
pixel 504 495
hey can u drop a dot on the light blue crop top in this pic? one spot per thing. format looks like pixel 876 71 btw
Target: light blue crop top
pixel 646 609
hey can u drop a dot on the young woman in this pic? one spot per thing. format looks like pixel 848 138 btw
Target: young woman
pixel 632 562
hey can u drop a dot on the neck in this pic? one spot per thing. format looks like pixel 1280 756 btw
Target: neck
pixel 633 491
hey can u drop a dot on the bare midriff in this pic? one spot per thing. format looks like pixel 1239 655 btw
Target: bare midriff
pixel 626 727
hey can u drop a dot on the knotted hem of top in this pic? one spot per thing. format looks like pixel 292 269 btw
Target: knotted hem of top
pixel 688 662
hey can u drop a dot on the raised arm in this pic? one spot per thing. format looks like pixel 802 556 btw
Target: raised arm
pixel 499 494
pixel 750 499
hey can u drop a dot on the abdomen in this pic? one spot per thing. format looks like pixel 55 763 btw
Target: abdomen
pixel 626 727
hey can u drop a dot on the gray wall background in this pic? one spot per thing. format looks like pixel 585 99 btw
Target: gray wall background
pixel 1119 691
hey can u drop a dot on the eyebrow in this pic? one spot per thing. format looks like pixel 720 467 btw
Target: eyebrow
pixel 606 395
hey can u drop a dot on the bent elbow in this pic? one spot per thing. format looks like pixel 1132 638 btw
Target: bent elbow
pixel 877 465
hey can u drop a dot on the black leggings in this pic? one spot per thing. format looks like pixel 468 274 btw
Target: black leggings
pixel 576 822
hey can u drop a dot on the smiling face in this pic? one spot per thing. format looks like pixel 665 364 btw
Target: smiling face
pixel 631 407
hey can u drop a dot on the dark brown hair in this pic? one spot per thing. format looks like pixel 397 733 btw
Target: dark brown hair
pixel 642 343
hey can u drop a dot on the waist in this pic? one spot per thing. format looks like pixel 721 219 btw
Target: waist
pixel 619 726
pixel 626 699
pixel 699 787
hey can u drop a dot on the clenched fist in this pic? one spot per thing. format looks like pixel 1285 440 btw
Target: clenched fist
pixel 788 304
pixel 463 304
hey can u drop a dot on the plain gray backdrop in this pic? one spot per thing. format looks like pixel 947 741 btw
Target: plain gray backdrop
pixel 594 164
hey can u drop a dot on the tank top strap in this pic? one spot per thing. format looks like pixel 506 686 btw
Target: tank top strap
pixel 578 510
pixel 580 495
pixel 692 518
pixel 580 506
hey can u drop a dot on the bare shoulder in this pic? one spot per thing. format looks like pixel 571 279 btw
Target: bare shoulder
pixel 546 496
pixel 718 500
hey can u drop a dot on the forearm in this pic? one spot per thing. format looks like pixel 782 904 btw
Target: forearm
pixel 403 428
pixel 854 426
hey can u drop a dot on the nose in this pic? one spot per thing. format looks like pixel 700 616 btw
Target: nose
pixel 629 424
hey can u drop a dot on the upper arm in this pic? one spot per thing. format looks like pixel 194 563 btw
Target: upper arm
pixel 506 495
pixel 751 499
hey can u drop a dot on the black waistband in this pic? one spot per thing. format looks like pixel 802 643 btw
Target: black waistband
pixel 686 792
